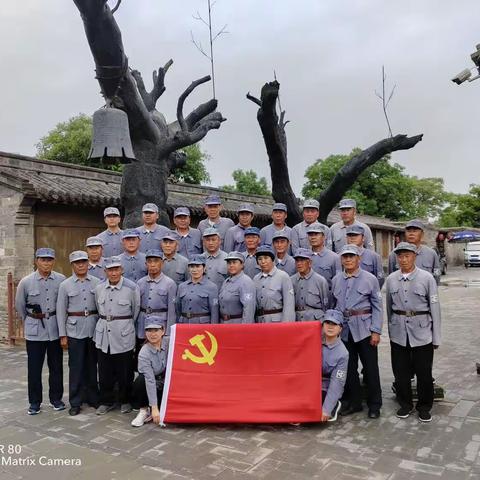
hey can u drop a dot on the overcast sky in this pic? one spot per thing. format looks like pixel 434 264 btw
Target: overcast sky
pixel 327 55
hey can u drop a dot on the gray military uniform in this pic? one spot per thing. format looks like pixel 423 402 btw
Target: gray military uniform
pixel 157 298
pixel 250 267
pixel 237 297
pixel 311 296
pixel 197 302
pixel 274 292
pixel 122 300
pixel 34 289
pixel 415 293
pixel 97 270
pixel 266 234
pixel 151 364
pixel 76 295
pixel 327 264
pixel 427 259
pixel 234 239
pixel 134 266
pixel 372 262
pixel 216 267
pixel 299 237
pixel 339 236
pixel 151 239
pixel 176 268
pixel 334 373
pixel 221 226
pixel 286 264
pixel 112 243
pixel 189 244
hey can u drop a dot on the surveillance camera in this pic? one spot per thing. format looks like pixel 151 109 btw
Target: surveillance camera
pixel 463 76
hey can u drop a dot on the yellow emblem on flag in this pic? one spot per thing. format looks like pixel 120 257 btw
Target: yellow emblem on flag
pixel 207 356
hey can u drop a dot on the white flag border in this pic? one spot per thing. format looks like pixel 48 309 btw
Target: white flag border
pixel 168 374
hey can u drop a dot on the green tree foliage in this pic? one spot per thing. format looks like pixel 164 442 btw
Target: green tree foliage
pixel 247 182
pixel 70 142
pixel 463 209
pixel 382 190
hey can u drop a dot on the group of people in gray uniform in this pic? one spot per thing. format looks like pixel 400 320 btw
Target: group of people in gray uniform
pixel 128 287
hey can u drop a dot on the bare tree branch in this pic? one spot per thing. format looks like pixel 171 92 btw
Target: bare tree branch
pixel 200 112
pixel 254 99
pixel 183 96
pixel 222 31
pixel 385 102
pixel 116 6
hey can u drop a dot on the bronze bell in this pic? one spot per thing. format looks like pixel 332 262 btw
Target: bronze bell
pixel 111 137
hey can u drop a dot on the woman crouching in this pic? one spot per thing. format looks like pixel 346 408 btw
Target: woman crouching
pixel 152 361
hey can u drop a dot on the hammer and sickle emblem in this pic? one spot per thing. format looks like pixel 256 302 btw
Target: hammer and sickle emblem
pixel 207 355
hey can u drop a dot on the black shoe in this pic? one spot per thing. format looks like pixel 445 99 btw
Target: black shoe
pixel 404 412
pixel 33 409
pixel 351 409
pixel 74 411
pixel 57 405
pixel 425 416
pixel 373 413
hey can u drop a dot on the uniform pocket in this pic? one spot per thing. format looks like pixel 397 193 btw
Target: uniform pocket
pixel 31 327
pixel 99 331
pixel 71 327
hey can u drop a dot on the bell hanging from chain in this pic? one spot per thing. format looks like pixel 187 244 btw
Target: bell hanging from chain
pixel 111 137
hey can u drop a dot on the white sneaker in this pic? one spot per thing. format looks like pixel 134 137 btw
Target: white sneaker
pixel 142 417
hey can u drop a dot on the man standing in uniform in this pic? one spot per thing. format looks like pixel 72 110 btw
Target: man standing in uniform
pixel 274 289
pixel 426 258
pixel 112 236
pixel 175 265
pixel 348 210
pixel 133 260
pixel 189 239
pixel 370 260
pixel 150 232
pixel 312 297
pixel 118 305
pixel 237 297
pixel 252 241
pixel 311 212
pixel 216 268
pixel 324 261
pixel 413 315
pixel 357 294
pixel 76 318
pixel 35 302
pixel 279 216
pixel 281 246
pixel 213 207
pixel 96 262
pixel 234 238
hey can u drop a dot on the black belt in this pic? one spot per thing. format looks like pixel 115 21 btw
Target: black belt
pixel 226 318
pixel 195 315
pixel 41 316
pixel 85 313
pixel 149 310
pixel 353 313
pixel 261 311
pixel 410 313
pixel 109 318
pixel 302 309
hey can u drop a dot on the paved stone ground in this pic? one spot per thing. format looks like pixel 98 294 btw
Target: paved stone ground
pixel 353 448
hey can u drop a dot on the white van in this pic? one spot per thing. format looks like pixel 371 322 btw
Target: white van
pixel 472 254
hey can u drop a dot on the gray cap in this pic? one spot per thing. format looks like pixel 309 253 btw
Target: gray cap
pixel 334 316
pixel 252 231
pixel 415 224
pixel 281 234
pixel 131 233
pixel 154 252
pixel 169 236
pixel 181 211
pixel 316 227
pixel 154 321
pixel 279 206
pixel 197 259
pixel 77 255
pixel 45 253
pixel 355 230
pixel 245 207
pixel 347 203
pixel 235 256
pixel 111 211
pixel 265 250
pixel 213 200
pixel 302 253
pixel 113 262
pixel 211 231
pixel 94 242
pixel 311 203
pixel 352 249
pixel 150 207
pixel 405 246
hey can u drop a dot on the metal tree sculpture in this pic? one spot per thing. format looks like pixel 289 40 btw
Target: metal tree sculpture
pixel 273 131
pixel 155 142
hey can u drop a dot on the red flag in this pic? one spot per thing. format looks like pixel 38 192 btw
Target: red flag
pixel 254 373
